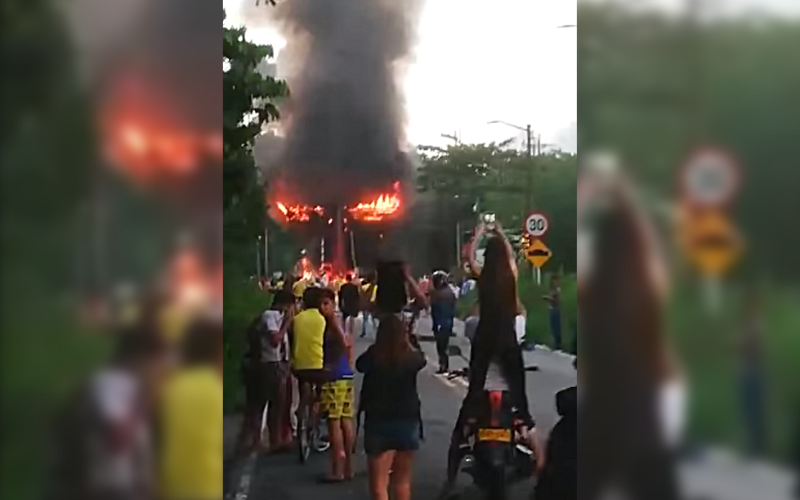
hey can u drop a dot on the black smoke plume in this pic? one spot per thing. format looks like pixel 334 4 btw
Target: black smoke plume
pixel 344 122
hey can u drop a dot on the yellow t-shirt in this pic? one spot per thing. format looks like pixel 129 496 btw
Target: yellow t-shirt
pixel 365 289
pixel 191 461
pixel 299 288
pixel 309 337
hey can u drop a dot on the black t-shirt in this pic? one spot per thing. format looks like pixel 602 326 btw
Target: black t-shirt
pixel 390 392
pixel 349 298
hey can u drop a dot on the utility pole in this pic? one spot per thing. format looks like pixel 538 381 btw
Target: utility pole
pixel 529 146
pixel 457 141
pixel 266 251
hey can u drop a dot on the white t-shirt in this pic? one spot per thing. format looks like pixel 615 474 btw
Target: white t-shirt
pixel 672 406
pixel 272 321
pixel 520 325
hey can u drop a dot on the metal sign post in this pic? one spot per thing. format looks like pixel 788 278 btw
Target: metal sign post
pixel 708 183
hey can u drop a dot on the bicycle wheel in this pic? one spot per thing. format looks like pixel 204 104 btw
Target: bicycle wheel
pixel 304 438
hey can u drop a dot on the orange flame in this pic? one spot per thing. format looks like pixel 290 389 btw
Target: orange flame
pixel 376 210
pixel 144 138
pixel 298 213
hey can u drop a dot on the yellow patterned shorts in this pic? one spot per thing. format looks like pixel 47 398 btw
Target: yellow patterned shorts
pixel 338 399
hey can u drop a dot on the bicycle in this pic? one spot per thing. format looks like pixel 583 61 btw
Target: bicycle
pixel 309 433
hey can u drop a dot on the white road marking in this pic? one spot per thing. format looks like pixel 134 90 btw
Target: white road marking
pixel 243 491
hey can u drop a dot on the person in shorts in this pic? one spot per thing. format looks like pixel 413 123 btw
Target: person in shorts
pixel 307 340
pixel 338 402
pixel 275 363
pixel 392 409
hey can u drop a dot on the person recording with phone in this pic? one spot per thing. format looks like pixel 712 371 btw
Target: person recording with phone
pixel 496 362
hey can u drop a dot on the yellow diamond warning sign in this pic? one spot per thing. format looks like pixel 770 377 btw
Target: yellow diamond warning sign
pixel 711 242
pixel 537 253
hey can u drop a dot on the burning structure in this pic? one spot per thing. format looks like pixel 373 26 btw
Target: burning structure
pixel 342 167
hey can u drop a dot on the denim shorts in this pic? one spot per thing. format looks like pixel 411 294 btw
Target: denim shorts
pixel 390 435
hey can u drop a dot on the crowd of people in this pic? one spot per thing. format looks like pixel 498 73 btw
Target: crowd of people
pixel 304 341
pixel 636 390
pixel 149 423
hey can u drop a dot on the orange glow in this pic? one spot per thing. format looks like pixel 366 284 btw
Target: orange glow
pixel 190 283
pixel 298 213
pixel 144 137
pixel 383 206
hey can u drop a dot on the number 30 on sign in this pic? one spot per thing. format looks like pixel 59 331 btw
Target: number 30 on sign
pixel 536 224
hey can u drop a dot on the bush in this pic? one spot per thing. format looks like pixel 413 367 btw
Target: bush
pixel 531 295
pixel 243 302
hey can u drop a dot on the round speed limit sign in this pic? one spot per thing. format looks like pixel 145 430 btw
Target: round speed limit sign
pixel 537 224
pixel 710 178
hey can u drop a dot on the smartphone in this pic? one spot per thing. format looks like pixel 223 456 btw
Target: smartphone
pixel 489 221
pixel 392 294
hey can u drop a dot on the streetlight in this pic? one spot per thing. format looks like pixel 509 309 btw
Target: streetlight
pixel 453 137
pixel 529 148
pixel 526 129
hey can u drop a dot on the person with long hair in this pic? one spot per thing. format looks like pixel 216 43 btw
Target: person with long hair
pixel 391 404
pixel 338 394
pixel 496 363
pixel 633 386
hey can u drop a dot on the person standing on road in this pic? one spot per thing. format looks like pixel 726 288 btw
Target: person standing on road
pixel 349 304
pixel 391 404
pixel 443 312
pixel 752 376
pixel 192 431
pixel 369 292
pixel 554 311
pixel 338 397
pixel 471 322
pixel 275 369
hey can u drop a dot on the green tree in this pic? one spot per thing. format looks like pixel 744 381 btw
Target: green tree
pixel 495 178
pixel 249 102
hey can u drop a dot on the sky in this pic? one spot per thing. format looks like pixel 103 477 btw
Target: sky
pixel 477 61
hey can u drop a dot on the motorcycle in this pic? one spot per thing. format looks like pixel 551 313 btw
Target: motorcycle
pixel 495 454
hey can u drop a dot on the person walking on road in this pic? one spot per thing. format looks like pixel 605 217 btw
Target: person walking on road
pixel 443 312
pixel 391 404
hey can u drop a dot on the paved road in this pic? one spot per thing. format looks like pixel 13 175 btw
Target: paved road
pixel 281 478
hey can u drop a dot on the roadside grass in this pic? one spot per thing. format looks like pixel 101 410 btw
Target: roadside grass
pixel 243 302
pixel 44 360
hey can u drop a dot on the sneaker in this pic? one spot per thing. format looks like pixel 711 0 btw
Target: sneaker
pixel 322 445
